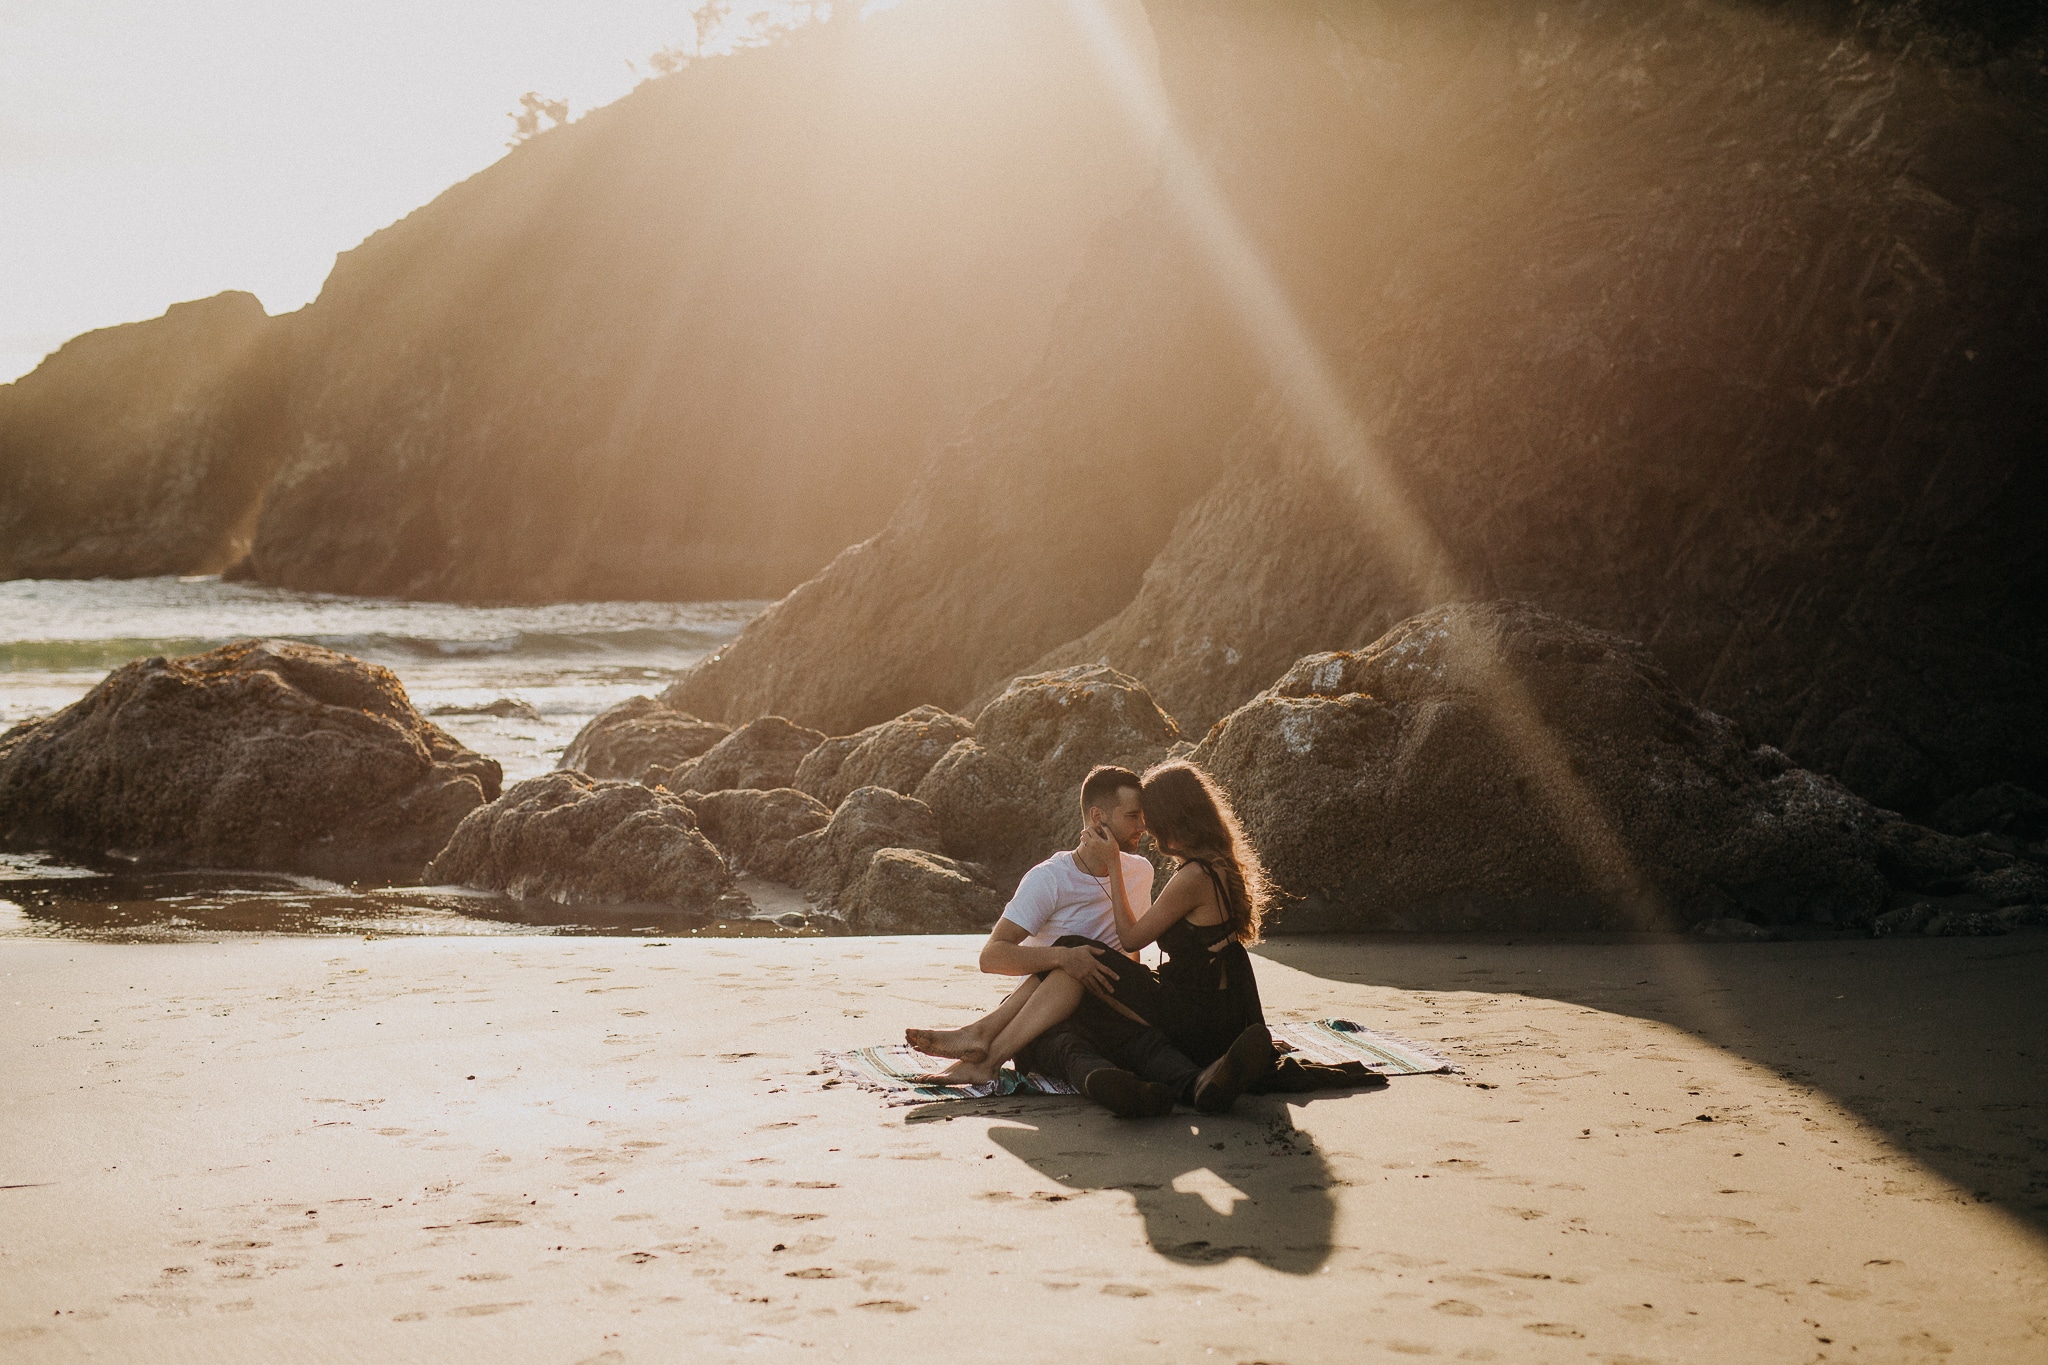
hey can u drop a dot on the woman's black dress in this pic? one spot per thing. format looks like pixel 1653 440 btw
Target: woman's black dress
pixel 1202 997
pixel 1207 994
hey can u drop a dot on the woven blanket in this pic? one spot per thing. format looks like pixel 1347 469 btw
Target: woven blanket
pixel 892 1069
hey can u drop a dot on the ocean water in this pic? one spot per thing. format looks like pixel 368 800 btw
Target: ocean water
pixel 564 661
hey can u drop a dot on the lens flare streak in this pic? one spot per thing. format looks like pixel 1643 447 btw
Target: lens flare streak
pixel 1310 392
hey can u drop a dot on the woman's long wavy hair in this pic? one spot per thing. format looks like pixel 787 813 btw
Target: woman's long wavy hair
pixel 1192 820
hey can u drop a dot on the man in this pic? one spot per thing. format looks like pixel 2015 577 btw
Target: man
pixel 1060 920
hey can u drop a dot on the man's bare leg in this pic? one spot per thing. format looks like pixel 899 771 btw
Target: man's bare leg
pixel 1055 999
pixel 971 1042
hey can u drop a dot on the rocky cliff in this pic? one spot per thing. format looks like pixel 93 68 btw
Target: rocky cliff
pixel 697 342
pixel 141 449
pixel 1716 325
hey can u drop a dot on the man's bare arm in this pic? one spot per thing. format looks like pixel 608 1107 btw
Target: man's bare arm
pixel 1006 954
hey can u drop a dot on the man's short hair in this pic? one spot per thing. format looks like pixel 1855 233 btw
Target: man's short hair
pixel 1103 782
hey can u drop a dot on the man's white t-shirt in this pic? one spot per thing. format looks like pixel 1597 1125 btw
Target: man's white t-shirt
pixel 1058 898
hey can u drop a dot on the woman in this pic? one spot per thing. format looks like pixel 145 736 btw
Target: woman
pixel 1203 995
pixel 1209 910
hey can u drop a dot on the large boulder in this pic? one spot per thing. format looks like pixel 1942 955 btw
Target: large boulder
pixel 876 865
pixel 1492 766
pixel 895 754
pixel 756 829
pixel 570 838
pixel 259 754
pixel 762 753
pixel 1011 795
pixel 639 739
pixel 870 819
pixel 910 891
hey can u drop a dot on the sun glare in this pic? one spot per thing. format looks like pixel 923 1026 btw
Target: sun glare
pixel 1302 378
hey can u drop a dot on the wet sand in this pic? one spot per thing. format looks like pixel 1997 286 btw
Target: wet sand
pixel 583 1150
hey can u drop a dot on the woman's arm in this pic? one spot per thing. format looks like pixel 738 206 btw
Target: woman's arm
pixel 1184 894
pixel 1120 901
pixel 1101 848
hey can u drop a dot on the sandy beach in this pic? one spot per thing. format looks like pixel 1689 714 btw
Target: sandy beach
pixel 617 1150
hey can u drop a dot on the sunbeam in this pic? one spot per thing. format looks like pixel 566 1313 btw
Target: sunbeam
pixel 1302 378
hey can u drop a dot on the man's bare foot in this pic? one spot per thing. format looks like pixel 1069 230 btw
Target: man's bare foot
pixel 961 1073
pixel 963 1043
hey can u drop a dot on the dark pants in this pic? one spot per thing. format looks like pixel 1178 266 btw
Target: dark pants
pixel 1096 1036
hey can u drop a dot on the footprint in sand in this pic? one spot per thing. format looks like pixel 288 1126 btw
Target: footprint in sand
pixel 1551 1329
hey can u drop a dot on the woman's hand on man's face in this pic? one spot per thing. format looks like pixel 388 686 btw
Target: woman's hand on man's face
pixel 1100 847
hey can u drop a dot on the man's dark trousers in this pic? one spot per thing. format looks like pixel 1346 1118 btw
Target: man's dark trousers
pixel 1096 1036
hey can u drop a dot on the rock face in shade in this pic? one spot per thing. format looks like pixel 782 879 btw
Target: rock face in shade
pixel 695 343
pixel 262 755
pixel 2004 810
pixel 1920 862
pixel 1751 378
pixel 895 754
pixel 909 891
pixel 142 449
pixel 639 739
pixel 994 557
pixel 756 829
pixel 1011 795
pixel 566 837
pixel 1494 766
pixel 762 753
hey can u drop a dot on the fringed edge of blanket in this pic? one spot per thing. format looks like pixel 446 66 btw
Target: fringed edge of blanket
pixel 1327 1036
pixel 1346 1028
pixel 897 1092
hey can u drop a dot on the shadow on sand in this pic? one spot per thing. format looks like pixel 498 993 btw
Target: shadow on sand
pixel 1941 1045
pixel 1209 1188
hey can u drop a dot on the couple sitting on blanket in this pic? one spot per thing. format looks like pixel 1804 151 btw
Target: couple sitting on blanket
pixel 1133 1040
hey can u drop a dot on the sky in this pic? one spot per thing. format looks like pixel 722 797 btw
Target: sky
pixel 153 151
